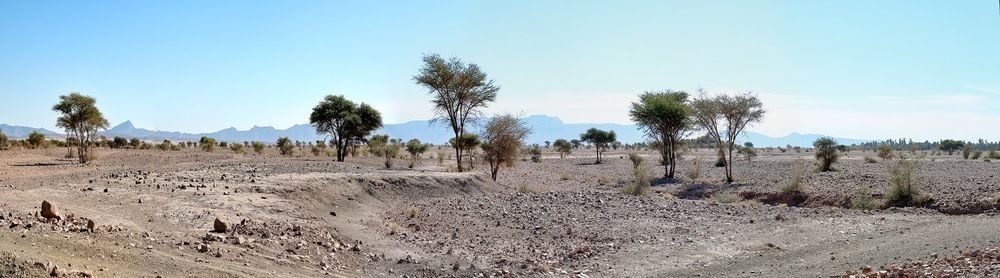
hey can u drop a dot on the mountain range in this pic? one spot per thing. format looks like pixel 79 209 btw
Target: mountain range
pixel 544 128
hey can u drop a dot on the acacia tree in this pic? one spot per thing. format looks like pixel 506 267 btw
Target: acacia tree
pixel 563 147
pixel 381 145
pixel 36 140
pixel 664 117
pixel 503 136
pixel 724 117
pixel 81 118
pixel 950 146
pixel 459 91
pixel 285 146
pixel 415 148
pixel 600 139
pixel 346 122
pixel 826 153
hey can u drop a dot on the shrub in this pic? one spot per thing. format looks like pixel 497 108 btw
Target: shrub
pixel 793 185
pixel 258 147
pixel 412 212
pixel 863 200
pixel 826 153
pixel 36 140
pixel 564 176
pixel 997 198
pixel 285 146
pixel 207 144
pixel 118 143
pixel 976 155
pixel 869 159
pixel 726 197
pixel 165 146
pixel 695 173
pixel 224 144
pixel 636 160
pixel 641 180
pixel 966 151
pixel 904 185
pixel 315 150
pixel 885 152
pixel 135 143
pixel 4 144
pixel 563 147
pixel 526 189
pixel 536 154
pixel 993 155
pixel 237 148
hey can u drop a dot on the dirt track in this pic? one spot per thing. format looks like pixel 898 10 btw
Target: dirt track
pixel 309 216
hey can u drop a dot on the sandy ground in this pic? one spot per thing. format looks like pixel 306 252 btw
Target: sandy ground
pixel 305 216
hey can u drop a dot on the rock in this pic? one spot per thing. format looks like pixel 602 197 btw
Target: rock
pixel 332 213
pixel 204 248
pixel 56 272
pixel 220 227
pixel 49 211
pixel 91 225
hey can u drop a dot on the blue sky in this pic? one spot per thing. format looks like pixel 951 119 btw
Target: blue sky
pixel 861 69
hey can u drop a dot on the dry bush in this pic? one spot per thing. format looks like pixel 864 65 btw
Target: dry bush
pixel 527 189
pixel 412 212
pixel 726 197
pixel 393 228
pixel 869 159
pixel 564 176
pixel 695 173
pixel 997 198
pixel 794 184
pixel 863 200
pixel 640 182
pixel 976 155
pixel 636 160
pixel 237 148
pixel 904 185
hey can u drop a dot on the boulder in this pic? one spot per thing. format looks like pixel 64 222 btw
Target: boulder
pixel 220 227
pixel 49 211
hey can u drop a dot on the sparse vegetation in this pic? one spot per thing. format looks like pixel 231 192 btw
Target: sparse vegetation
pixel 415 148
pixel 207 144
pixel 694 174
pixel 966 151
pixel 724 117
pixel 459 91
pixel 869 159
pixel 904 184
pixel 346 122
pixel 237 148
pixel 4 144
pixel 885 152
pixel 600 139
pixel 503 136
pixel 285 146
pixel 641 181
pixel 536 154
pixel 636 160
pixel 469 143
pixel 664 116
pixel 81 119
pixel 36 140
pixel 793 185
pixel 863 200
pixel 563 147
pixel 726 197
pixel 383 146
pixel 826 153
pixel 258 147
pixel 950 146
pixel 166 145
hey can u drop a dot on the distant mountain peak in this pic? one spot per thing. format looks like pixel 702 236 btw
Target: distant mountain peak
pixel 123 127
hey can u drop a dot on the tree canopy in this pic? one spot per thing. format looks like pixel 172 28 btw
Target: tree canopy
pixel 724 117
pixel 346 122
pixel 460 91
pixel 81 119
pixel 664 117
pixel 601 140
pixel 503 135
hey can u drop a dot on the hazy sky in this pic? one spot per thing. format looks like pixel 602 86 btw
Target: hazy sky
pixel 860 69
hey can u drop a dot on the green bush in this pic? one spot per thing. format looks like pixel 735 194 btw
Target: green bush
pixel 207 144
pixel 165 146
pixel 641 180
pixel 285 146
pixel 904 185
pixel 826 153
pixel 36 140
pixel 863 200
pixel 869 159
pixel 976 155
pixel 237 148
pixel 258 147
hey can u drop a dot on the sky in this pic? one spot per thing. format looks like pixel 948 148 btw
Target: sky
pixel 855 69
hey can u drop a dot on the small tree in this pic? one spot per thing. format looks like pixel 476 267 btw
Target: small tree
pixel 346 122
pixel 966 151
pixel 826 153
pixel 207 144
pixel 536 154
pixel 119 142
pixel 563 147
pixel 664 117
pixel 81 119
pixel 459 91
pixel 548 144
pixel 382 146
pixel 415 148
pixel 950 146
pixel 724 117
pixel 748 152
pixel 601 140
pixel 36 140
pixel 885 152
pixel 469 143
pixel 258 147
pixel 237 148
pixel 285 146
pixel 503 136
pixel 165 146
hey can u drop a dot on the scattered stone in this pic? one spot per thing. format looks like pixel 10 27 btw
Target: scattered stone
pixel 220 227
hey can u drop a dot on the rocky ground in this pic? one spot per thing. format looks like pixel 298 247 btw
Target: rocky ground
pixel 146 213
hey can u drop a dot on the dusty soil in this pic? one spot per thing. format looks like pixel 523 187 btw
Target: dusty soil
pixel 305 216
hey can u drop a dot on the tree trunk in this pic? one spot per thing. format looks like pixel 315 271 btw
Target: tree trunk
pixel 458 150
pixel 729 164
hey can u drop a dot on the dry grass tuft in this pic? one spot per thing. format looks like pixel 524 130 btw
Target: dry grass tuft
pixel 863 200
pixel 726 197
pixel 527 189
pixel 412 212
pixel 564 176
